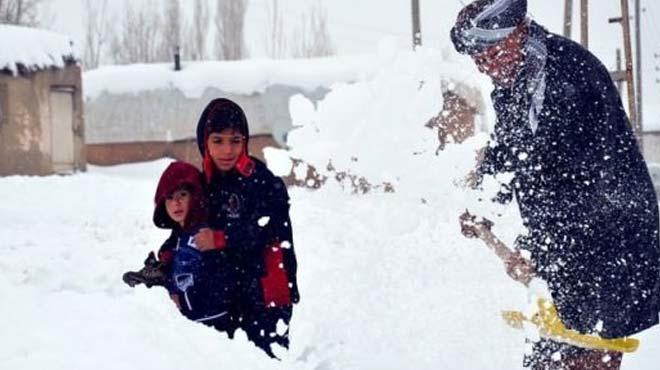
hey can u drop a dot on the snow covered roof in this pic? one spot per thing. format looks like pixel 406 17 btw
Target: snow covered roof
pixel 25 49
pixel 243 77
pixel 246 77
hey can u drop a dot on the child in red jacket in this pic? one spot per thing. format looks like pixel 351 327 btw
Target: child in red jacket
pixel 196 276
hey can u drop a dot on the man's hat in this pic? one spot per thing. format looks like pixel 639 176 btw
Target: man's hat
pixel 483 23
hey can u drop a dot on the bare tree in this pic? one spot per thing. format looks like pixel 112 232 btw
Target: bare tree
pixel 229 25
pixel 275 39
pixel 97 30
pixel 197 31
pixel 312 38
pixel 139 36
pixel 171 35
pixel 20 12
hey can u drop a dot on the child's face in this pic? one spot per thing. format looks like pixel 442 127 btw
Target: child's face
pixel 225 147
pixel 177 205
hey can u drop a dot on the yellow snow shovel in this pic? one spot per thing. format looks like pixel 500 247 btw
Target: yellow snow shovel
pixel 550 326
pixel 546 318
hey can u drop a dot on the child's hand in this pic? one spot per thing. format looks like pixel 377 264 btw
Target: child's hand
pixel 207 239
pixel 204 240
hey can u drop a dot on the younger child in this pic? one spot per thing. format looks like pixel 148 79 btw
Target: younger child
pixel 197 278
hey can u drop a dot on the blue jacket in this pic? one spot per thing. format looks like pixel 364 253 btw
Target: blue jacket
pixel 583 190
pixel 202 280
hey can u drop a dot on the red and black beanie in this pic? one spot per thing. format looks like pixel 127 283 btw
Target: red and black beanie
pixel 180 175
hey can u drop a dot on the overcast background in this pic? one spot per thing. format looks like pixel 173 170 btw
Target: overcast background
pixel 357 26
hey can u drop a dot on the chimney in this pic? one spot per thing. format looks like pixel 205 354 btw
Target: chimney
pixel 177 59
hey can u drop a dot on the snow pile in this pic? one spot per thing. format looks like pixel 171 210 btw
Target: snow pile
pixel 34 49
pixel 375 128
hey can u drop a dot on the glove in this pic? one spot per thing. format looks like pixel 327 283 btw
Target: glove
pixel 152 274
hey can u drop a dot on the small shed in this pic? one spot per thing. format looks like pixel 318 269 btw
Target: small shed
pixel 41 112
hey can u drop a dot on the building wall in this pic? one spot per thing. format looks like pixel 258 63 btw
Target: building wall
pixel 25 130
pixel 183 150
pixel 169 115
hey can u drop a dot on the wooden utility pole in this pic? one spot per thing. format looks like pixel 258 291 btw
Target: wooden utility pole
pixel 568 18
pixel 616 76
pixel 584 15
pixel 638 63
pixel 627 74
pixel 416 25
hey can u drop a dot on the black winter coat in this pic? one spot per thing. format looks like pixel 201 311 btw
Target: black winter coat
pixel 253 211
pixel 584 193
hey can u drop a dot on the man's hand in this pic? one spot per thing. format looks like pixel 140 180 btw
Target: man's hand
pixel 204 240
pixel 519 268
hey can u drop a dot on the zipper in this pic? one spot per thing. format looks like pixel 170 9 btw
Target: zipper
pixel 185 295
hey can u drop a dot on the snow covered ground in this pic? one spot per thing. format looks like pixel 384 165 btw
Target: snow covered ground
pixel 387 282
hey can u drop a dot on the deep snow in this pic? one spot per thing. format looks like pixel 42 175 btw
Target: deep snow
pixel 387 282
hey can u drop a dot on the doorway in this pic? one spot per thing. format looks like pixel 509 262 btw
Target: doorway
pixel 61 118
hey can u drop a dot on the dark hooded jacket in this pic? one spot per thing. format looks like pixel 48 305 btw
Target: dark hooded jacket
pixel 583 190
pixel 251 205
pixel 200 279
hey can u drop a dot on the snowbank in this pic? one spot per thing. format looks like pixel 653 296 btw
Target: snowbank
pixel 387 282
pixel 34 49
pixel 374 128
